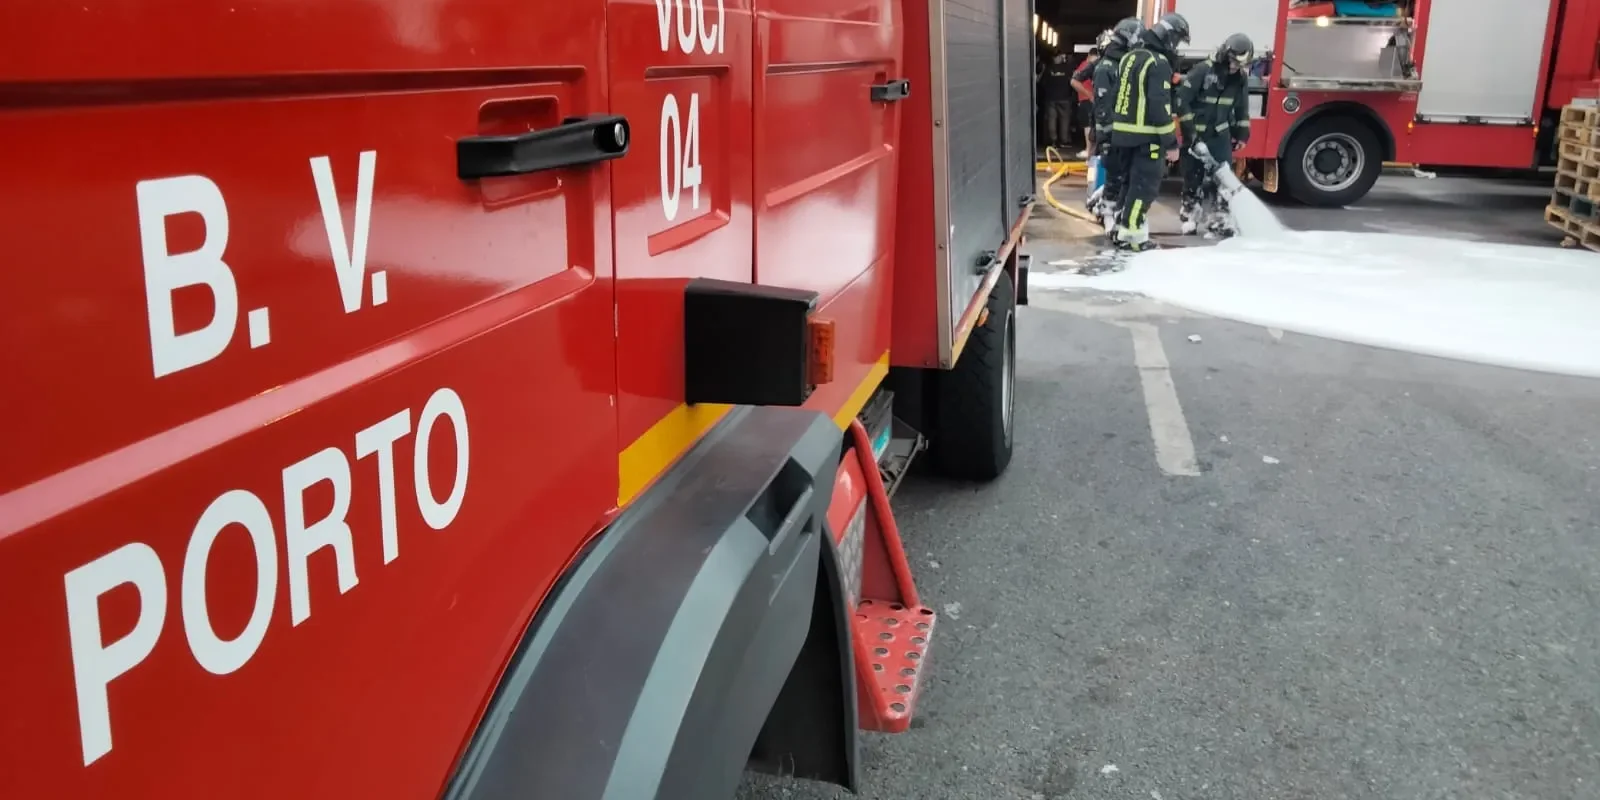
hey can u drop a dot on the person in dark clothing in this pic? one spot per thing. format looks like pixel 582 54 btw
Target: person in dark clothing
pixel 1123 36
pixel 1214 106
pixel 1143 132
pixel 1055 94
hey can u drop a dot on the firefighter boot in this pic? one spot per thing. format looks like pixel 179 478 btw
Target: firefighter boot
pixel 1189 215
pixel 1131 239
pixel 1108 215
pixel 1219 221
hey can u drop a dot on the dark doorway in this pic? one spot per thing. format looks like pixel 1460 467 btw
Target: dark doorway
pixel 1077 22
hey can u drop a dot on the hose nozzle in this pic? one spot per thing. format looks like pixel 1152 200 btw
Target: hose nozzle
pixel 1201 152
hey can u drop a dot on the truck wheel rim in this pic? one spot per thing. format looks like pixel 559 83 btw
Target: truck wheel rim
pixel 1008 375
pixel 1334 161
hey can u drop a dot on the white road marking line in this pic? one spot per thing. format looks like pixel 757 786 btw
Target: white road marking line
pixel 1169 430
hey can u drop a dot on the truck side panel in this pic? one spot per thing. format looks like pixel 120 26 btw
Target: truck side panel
pixel 1212 21
pixel 920 204
pixel 961 208
pixel 1460 83
pixel 826 176
pixel 683 203
pixel 1017 42
pixel 1577 51
pixel 293 404
pixel 796 188
pixel 975 110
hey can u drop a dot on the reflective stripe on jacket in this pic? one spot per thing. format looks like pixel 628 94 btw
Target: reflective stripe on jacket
pixel 1142 112
pixel 1212 103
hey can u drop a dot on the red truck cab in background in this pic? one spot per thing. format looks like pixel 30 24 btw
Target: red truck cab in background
pixel 488 399
pixel 1454 83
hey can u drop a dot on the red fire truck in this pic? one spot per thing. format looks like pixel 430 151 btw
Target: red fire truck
pixel 1350 85
pixel 484 399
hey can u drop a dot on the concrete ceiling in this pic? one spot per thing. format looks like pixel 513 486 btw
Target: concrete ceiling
pixel 1079 21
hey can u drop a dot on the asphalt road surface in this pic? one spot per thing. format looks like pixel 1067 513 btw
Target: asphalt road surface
pixel 1383 582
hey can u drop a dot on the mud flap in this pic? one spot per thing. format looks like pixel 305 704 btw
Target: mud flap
pixel 1024 262
pixel 650 669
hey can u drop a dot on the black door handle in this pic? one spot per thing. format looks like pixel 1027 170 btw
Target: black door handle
pixel 575 142
pixel 891 91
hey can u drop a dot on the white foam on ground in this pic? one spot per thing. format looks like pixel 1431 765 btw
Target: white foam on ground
pixel 1507 305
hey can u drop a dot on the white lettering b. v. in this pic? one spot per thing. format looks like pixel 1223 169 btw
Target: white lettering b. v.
pixel 349 254
pixel 165 272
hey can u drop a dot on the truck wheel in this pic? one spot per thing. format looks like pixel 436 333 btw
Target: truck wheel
pixel 1332 161
pixel 975 400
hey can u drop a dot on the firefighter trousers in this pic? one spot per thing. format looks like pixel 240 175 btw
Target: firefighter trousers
pixel 1146 166
pixel 1116 164
pixel 1197 185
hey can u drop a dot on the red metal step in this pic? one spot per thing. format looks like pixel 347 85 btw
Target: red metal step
pixel 891 649
pixel 892 629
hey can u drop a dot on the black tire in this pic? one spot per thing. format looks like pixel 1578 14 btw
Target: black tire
pixel 975 401
pixel 1345 160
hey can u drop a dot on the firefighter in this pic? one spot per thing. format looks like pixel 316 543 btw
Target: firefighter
pixel 1143 135
pixel 1123 37
pixel 1055 92
pixel 1214 108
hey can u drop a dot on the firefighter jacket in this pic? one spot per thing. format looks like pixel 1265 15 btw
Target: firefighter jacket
pixel 1142 113
pixel 1105 89
pixel 1213 103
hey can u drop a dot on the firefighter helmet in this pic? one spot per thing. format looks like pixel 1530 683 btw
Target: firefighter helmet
pixel 1172 30
pixel 1237 52
pixel 1128 31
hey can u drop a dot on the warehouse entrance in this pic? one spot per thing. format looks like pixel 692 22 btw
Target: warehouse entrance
pixel 1068 28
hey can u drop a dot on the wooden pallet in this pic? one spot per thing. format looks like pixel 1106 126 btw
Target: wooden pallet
pixel 1579 136
pixel 1579 178
pixel 1573 149
pixel 1575 201
pixel 1579 233
pixel 1578 140
pixel 1575 206
pixel 1557 216
pixel 1581 116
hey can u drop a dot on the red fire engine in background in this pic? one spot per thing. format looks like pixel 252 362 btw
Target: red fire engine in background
pixel 488 399
pixel 1350 85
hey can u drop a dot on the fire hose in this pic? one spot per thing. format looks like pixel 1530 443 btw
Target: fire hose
pixel 1049 196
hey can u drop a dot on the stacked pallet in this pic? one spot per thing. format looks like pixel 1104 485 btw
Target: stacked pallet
pixel 1575 204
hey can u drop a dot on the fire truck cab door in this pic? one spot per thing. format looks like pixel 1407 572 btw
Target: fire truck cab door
pixel 680 71
pixel 298 424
